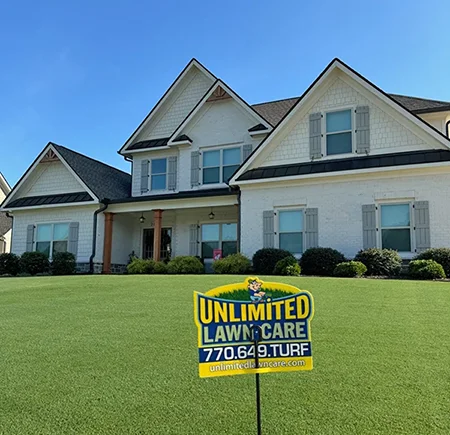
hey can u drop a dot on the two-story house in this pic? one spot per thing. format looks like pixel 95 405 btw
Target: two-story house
pixel 345 166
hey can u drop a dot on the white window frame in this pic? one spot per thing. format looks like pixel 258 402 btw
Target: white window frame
pixel 159 173
pixel 221 166
pixel 220 223
pixel 35 241
pixel 352 131
pixel 411 226
pixel 277 227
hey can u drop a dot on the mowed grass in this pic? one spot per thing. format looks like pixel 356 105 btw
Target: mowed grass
pixel 117 354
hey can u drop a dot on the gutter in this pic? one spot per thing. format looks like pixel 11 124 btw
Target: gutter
pixel 104 205
pixel 239 222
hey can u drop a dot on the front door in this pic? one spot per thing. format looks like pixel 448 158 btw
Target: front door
pixel 166 243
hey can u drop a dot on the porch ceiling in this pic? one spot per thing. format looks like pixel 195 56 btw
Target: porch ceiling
pixel 141 205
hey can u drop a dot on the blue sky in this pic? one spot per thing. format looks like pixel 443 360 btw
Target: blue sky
pixel 84 74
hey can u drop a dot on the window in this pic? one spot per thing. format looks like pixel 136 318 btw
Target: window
pixel 220 165
pixel 2 245
pixel 339 132
pixel 219 236
pixel 159 174
pixel 290 230
pixel 52 238
pixel 396 227
pixel 166 243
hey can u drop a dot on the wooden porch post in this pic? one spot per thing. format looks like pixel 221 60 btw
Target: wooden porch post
pixel 107 243
pixel 157 220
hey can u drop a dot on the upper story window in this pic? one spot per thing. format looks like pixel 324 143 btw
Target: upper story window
pixel 396 227
pixel 290 230
pixel 220 165
pixel 339 132
pixel 158 174
pixel 52 238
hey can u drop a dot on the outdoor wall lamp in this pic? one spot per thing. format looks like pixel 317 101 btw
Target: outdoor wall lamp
pixel 211 215
pixel 142 218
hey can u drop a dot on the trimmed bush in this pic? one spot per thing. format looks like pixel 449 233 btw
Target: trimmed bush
pixel 185 265
pixel 235 264
pixel 265 260
pixel 380 262
pixel 64 263
pixel 33 263
pixel 320 261
pixel 288 266
pixel 426 269
pixel 159 268
pixel 440 255
pixel 350 269
pixel 9 264
pixel 139 266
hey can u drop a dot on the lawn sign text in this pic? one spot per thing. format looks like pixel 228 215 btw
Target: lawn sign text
pixel 227 324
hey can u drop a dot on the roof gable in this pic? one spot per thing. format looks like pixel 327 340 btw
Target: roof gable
pixel 338 70
pixel 218 92
pixel 174 105
pixel 98 180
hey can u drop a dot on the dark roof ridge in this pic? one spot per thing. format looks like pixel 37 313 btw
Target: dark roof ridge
pixel 90 158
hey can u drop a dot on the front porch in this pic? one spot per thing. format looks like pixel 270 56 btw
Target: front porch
pixel 194 228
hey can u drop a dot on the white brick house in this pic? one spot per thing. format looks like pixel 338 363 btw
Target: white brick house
pixel 345 165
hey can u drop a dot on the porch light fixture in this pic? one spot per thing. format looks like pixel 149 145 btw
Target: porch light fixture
pixel 211 215
pixel 142 219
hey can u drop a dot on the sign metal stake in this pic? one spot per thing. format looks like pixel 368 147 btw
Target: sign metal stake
pixel 256 339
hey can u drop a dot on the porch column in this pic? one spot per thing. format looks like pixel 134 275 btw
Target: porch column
pixel 107 242
pixel 157 219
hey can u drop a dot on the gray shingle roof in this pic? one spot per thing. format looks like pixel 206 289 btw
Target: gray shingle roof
pixel 274 111
pixel 104 180
pixel 5 224
pixel 421 105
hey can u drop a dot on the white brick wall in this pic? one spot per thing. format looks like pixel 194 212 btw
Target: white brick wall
pixel 339 202
pixel 196 85
pixel 48 179
pixel 386 134
pixel 84 215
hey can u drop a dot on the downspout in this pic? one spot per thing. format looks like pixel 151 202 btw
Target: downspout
pixel 447 124
pixel 239 222
pixel 104 205
pixel 8 214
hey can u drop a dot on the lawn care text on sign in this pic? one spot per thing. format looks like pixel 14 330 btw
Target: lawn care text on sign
pixel 225 316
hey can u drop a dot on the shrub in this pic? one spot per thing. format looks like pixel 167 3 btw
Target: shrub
pixel 288 266
pixel 380 262
pixel 235 264
pixel 440 255
pixel 185 265
pixel 320 261
pixel 265 260
pixel 33 263
pixel 426 269
pixel 350 269
pixel 64 263
pixel 9 264
pixel 139 266
pixel 160 268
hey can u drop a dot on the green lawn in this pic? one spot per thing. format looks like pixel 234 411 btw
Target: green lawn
pixel 117 354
